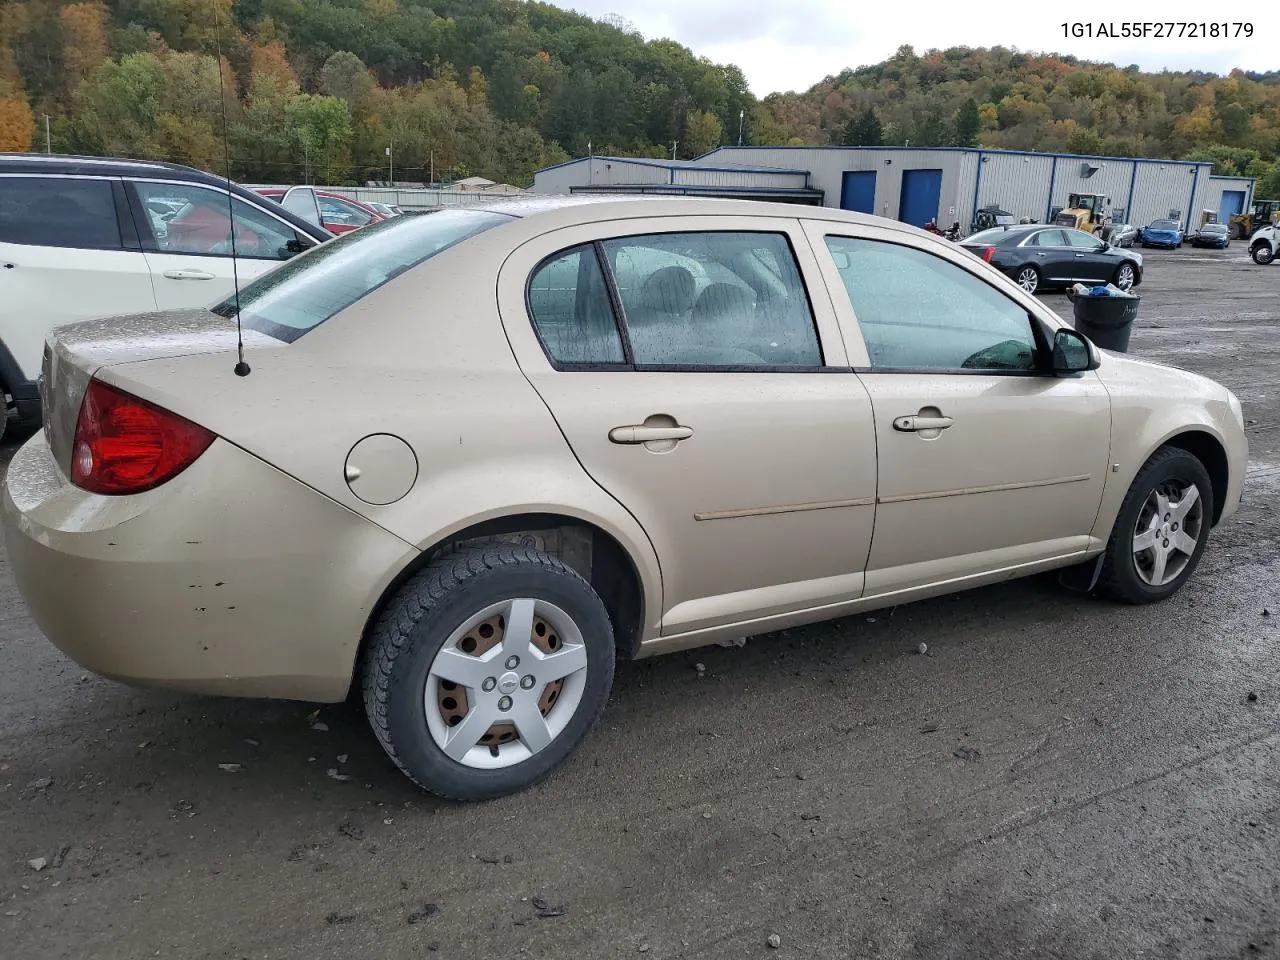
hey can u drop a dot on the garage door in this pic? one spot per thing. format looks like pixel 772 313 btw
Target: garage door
pixel 921 192
pixel 858 191
pixel 1232 203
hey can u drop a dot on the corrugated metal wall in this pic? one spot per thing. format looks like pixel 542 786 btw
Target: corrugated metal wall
pixel 738 178
pixel 1019 184
pixel 1161 189
pixel 596 170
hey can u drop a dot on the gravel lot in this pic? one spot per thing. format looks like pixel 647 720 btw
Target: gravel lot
pixel 1058 777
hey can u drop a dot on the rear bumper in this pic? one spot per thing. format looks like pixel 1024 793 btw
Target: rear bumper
pixel 231 579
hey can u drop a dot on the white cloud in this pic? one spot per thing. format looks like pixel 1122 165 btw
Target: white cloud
pixel 793 44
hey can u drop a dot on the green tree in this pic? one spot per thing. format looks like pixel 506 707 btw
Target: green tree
pixel 703 132
pixel 320 131
pixel 968 123
pixel 864 130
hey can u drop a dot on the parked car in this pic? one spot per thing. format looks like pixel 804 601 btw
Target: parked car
pixel 339 214
pixel 1212 235
pixel 84 237
pixel 1162 233
pixel 1041 256
pixel 1123 235
pixel 567 445
pixel 1264 245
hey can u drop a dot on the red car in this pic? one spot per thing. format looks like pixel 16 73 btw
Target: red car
pixel 339 214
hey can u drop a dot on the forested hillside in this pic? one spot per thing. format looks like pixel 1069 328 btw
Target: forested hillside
pixel 320 88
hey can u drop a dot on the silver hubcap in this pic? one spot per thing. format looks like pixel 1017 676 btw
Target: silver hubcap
pixel 1124 280
pixel 1167 532
pixel 1028 280
pixel 506 683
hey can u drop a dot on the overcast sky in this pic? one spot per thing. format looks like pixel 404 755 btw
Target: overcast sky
pixel 793 44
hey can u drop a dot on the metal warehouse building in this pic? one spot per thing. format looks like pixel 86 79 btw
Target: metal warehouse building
pixel 920 184
pixel 701 177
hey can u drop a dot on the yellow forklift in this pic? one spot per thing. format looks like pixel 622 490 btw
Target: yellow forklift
pixel 1089 212
pixel 1264 213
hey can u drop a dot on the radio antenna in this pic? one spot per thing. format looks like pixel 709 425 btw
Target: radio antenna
pixel 242 368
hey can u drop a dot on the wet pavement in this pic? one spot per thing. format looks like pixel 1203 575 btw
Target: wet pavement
pixel 1056 777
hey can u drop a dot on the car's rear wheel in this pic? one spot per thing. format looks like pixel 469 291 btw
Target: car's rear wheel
pixel 1161 531
pixel 1125 276
pixel 1028 278
pixel 486 670
pixel 1262 254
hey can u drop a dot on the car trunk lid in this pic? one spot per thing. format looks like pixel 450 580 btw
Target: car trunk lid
pixel 74 353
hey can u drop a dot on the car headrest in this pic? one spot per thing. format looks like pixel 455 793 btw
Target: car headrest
pixel 670 290
pixel 722 301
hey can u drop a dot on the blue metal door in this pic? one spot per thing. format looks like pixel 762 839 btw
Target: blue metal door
pixel 921 193
pixel 858 191
pixel 1232 203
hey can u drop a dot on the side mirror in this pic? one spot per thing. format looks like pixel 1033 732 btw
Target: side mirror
pixel 1073 353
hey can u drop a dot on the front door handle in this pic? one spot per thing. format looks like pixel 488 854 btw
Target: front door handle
pixel 917 423
pixel 188 274
pixel 1079 256
pixel 639 433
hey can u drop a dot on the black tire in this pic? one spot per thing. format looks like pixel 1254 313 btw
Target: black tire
pixel 1262 254
pixel 1119 578
pixel 1133 276
pixel 417 622
pixel 1028 278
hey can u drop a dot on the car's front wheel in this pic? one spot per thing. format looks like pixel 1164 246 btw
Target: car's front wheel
pixel 486 670
pixel 1262 254
pixel 1125 276
pixel 1161 531
pixel 1028 278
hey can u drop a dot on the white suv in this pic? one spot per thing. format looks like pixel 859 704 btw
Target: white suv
pixel 88 237
pixel 1264 245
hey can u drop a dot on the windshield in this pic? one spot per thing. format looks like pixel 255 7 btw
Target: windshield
pixel 308 290
pixel 1164 225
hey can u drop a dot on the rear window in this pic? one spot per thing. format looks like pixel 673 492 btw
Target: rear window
pixel 58 212
pixel 308 290
pixel 995 237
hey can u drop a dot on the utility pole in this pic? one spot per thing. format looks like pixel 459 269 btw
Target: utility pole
pixel 306 162
pixel 391 165
pixel 674 144
pixel 432 181
pixel 742 116
pixel 48 140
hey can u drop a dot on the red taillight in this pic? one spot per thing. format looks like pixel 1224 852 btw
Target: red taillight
pixel 126 445
pixel 988 253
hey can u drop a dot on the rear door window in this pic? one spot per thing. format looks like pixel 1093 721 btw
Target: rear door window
pixel 59 212
pixel 1049 238
pixel 184 218
pixel 714 299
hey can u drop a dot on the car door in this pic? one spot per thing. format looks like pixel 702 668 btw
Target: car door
pixel 65 255
pixel 709 393
pixel 189 253
pixel 1050 253
pixel 985 463
pixel 1092 262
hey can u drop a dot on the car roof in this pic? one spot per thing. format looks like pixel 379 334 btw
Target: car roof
pixel 57 164
pixel 565 210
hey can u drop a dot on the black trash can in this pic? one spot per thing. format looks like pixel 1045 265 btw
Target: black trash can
pixel 1107 321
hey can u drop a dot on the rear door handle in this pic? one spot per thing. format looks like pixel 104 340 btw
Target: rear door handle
pixel 912 424
pixel 1079 256
pixel 188 274
pixel 639 433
